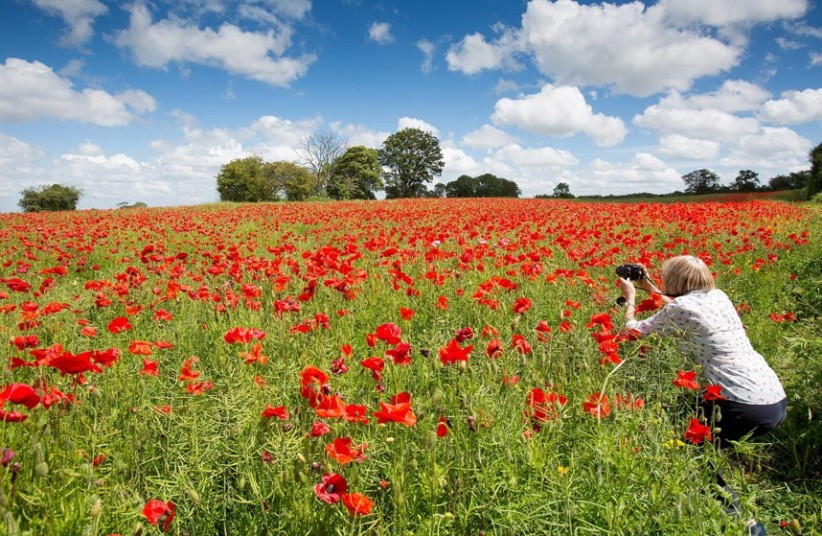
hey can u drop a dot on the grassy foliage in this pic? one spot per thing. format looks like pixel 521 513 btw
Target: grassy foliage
pixel 90 466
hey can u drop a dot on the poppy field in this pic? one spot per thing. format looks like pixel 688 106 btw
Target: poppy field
pixel 432 366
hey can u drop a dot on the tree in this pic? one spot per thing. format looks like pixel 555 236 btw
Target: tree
pixel 440 190
pixel 792 181
pixel 49 198
pixel 319 151
pixel 563 191
pixel 355 175
pixel 486 185
pixel 126 204
pixel 297 183
pixel 242 180
pixel 746 181
pixel 814 185
pixel 411 158
pixel 702 181
pixel 463 186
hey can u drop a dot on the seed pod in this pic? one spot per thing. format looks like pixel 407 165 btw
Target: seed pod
pixel 193 495
pixel 96 507
pixel 795 527
pixel 41 470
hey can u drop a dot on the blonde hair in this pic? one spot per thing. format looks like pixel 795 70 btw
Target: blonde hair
pixel 685 273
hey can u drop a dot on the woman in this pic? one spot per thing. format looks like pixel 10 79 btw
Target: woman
pixel 754 399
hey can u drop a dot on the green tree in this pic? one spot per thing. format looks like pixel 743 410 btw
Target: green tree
pixel 355 175
pixel 702 181
pixel 486 185
pixel 792 181
pixel 296 182
pixel 563 191
pixel 440 190
pixel 814 185
pixel 411 158
pixel 462 186
pixel 49 198
pixel 242 180
pixel 746 181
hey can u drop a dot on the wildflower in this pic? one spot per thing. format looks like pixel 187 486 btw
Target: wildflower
pixel 713 392
pixel 150 368
pixel 280 412
pixel 597 405
pixel 357 504
pixel 156 511
pixel 399 410
pixel 119 324
pixel 452 352
pixel 686 380
pixel 342 452
pixel 697 432
pixel 442 427
pixel 522 305
pixel 331 489
pixel 389 333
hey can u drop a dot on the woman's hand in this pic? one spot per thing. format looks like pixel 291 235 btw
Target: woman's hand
pixel 628 290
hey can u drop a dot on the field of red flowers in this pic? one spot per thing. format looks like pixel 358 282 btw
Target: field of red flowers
pixel 419 366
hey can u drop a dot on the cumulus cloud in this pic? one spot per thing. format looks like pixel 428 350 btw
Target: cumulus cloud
pixel 559 111
pixel 733 96
pixel 380 33
pixel 488 137
pixel 794 107
pixel 774 149
pixel 79 15
pixel 410 122
pixel 31 90
pixel 21 166
pixel 626 46
pixel 474 54
pixel 678 146
pixel 731 12
pixel 536 156
pixel 254 55
pixel 706 124
pixel 643 173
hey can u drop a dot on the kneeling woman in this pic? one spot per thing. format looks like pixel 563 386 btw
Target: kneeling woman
pixel 715 337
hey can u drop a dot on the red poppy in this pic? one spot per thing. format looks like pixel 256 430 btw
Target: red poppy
pixel 343 453
pixel 162 314
pixel 400 354
pixel 157 512
pixel 198 388
pixel 186 374
pixel 453 352
pixel 597 405
pixel 389 333
pixel 356 413
pixel 330 407
pixel 628 402
pixel 20 393
pixel 407 314
pixel 357 504
pixel 398 411
pixel 150 368
pixel 494 349
pixel 566 327
pixel 318 429
pixel 12 416
pixel 713 392
pixel 331 489
pixel 442 427
pixel 374 364
pixel 463 334
pixel 520 344
pixel 119 324
pixel 25 341
pixel 697 432
pixel 255 355
pixel 521 305
pixel 68 363
pixel 89 331
pixel 542 406
pixel 280 412
pixel 243 335
pixel 140 348
pixel 686 380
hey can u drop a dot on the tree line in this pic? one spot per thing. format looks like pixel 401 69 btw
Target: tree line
pixel 407 162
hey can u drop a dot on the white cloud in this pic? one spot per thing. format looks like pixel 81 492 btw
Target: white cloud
pixel 794 107
pixel 536 156
pixel 816 59
pixel 731 12
pixel 473 54
pixel 559 111
pixel 644 173
pixel 359 135
pixel 678 146
pixel 732 96
pixel 458 162
pixel 427 49
pixel 254 55
pixel 380 33
pixel 31 90
pixel 488 137
pixel 78 14
pixel 771 149
pixel 21 166
pixel 410 122
pixel 626 46
pixel 702 124
pixel 505 86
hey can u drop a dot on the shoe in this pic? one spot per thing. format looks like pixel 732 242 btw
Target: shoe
pixel 755 528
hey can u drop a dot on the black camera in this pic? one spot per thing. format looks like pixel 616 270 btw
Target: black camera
pixel 632 272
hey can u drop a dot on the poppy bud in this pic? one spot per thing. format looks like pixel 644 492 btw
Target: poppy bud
pixel 138 529
pixel 301 457
pixel 96 507
pixel 795 527
pixel 41 469
pixel 193 495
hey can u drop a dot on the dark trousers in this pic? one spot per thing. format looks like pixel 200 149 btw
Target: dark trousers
pixel 736 420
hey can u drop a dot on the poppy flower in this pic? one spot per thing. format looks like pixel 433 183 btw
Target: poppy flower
pixel 442 427
pixel 140 348
pixel 400 354
pixel 357 504
pixel 280 412
pixel 597 405
pixel 713 392
pixel 318 429
pixel 521 305
pixel 162 314
pixel 243 335
pixel 255 355
pixel 23 342
pixel 12 416
pixel 374 364
pixel 330 407
pixel 463 334
pixel 186 374
pixel 686 380
pixel 389 333
pixel 198 388
pixel 494 349
pixel 453 352
pixel 520 344
pixel 331 489
pixel 150 368
pixel 407 314
pixel 343 453
pixel 356 413
pixel 398 411
pixel 157 512
pixel 119 325
pixel 697 432
pixel 68 363
pixel 542 406
pixel 20 393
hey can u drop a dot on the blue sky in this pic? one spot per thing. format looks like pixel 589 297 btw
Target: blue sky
pixel 144 101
